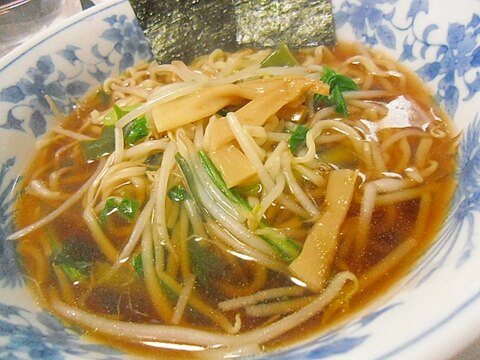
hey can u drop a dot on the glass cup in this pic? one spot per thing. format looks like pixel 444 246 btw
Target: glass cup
pixel 21 18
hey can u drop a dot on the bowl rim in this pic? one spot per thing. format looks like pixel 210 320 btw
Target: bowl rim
pixel 463 323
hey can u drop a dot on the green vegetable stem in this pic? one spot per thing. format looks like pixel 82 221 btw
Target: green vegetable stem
pixel 281 56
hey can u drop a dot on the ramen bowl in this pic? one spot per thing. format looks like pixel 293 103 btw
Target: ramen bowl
pixel 432 312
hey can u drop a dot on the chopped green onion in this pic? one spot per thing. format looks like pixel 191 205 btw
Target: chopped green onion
pixel 281 56
pixel 75 257
pixel 105 144
pixel 154 160
pixel 339 102
pixel 297 138
pixel 288 248
pixel 126 209
pixel 76 272
pixel 178 193
pixel 322 100
pixel 109 208
pixel 137 264
pixel 206 265
pixel 342 82
pixel 103 97
pixel 338 84
pixel 117 113
pixel 168 290
pixel 135 130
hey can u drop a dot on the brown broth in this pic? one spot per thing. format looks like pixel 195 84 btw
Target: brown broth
pixel 125 297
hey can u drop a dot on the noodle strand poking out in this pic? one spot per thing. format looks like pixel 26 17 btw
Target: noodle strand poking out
pixel 139 332
pixel 218 207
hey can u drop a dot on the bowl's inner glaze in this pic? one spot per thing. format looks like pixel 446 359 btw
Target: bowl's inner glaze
pixel 443 50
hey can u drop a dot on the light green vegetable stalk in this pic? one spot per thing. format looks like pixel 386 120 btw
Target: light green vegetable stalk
pixel 218 180
pixel 281 56
pixel 287 248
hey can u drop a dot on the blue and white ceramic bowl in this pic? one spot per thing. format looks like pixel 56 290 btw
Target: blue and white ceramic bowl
pixel 433 313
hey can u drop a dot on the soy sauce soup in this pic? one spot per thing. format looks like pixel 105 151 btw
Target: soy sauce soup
pixel 215 207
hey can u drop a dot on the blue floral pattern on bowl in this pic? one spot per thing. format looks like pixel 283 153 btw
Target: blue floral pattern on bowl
pixel 455 58
pixel 121 44
pixel 44 339
pixel 444 52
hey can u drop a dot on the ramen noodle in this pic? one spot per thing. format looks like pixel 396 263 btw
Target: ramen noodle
pixel 237 204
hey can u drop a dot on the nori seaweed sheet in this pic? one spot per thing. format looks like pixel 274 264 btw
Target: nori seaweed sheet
pixel 183 30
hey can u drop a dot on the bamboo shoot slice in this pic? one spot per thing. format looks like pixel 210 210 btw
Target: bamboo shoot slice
pixel 313 264
pixel 257 111
pixel 199 105
pixel 233 164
